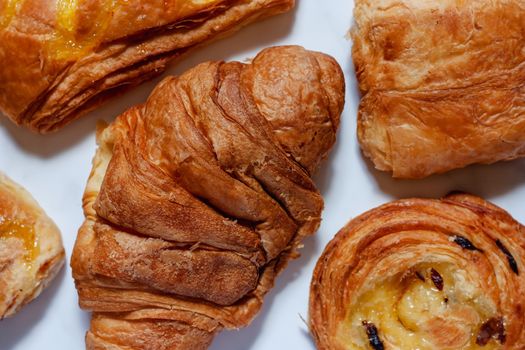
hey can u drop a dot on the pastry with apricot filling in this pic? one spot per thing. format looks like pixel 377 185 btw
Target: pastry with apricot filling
pixel 422 274
pixel 31 251
pixel 62 58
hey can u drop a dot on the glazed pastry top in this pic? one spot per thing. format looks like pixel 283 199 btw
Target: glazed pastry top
pixel 73 28
pixel 76 54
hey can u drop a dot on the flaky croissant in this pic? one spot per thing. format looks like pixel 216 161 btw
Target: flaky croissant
pixel 31 251
pixel 198 198
pixel 423 274
pixel 442 83
pixel 60 59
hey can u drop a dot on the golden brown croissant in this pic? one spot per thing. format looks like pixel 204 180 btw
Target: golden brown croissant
pixel 443 83
pixel 423 274
pixel 31 251
pixel 198 198
pixel 62 58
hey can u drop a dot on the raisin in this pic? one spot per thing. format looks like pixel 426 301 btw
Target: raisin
pixel 436 279
pixel 512 262
pixel 373 336
pixel 465 243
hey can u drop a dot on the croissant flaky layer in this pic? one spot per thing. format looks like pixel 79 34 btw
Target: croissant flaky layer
pixel 199 197
pixel 423 274
pixel 62 58
pixel 442 83
pixel 31 251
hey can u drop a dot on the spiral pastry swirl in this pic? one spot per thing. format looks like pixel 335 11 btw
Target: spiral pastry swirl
pixel 423 274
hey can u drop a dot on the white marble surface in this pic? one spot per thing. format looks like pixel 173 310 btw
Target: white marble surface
pixel 54 169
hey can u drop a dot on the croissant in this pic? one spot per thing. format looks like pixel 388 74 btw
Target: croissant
pixel 423 274
pixel 63 58
pixel 31 251
pixel 199 197
pixel 442 83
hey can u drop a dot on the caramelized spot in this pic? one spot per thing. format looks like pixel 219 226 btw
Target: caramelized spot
pixel 436 279
pixel 373 336
pixel 492 329
pixel 393 38
pixel 23 232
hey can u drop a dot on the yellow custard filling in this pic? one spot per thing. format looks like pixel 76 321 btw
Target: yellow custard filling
pixel 430 307
pixel 81 25
pixel 10 229
pixel 69 41
pixel 66 15
pixel 76 36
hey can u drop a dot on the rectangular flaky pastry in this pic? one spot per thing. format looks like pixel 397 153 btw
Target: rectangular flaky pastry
pixel 442 83
pixel 60 59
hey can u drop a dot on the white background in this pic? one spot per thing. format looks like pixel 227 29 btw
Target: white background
pixel 54 168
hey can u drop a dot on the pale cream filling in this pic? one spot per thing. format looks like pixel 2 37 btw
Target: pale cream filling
pixel 410 313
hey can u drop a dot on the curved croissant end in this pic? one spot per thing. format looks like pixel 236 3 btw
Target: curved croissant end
pixel 421 273
pixel 199 197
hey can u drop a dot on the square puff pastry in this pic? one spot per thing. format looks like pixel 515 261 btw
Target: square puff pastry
pixel 31 252
pixel 442 83
pixel 61 58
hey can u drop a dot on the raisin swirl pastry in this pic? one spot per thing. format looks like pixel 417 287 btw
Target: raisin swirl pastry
pixel 62 58
pixel 31 251
pixel 423 274
pixel 198 198
pixel 442 83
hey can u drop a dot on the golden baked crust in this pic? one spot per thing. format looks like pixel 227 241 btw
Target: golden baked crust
pixel 198 198
pixel 31 251
pixel 63 58
pixel 423 274
pixel 442 83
